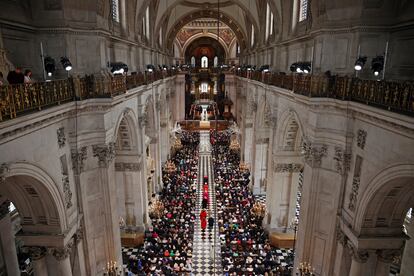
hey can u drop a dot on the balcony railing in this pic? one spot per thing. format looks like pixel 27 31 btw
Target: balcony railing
pixel 17 100
pixel 393 96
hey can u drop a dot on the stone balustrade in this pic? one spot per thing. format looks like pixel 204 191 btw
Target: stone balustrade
pixel 393 96
pixel 17 100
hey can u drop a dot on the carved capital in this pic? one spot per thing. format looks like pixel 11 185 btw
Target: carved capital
pixel 132 167
pixel 361 138
pixel 291 168
pixel 104 153
pixel 36 252
pixel 61 253
pixel 78 158
pixel 361 256
pixel 388 255
pixel 313 154
pixel 61 138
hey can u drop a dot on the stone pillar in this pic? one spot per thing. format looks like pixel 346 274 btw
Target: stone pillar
pixel 359 261
pixel 38 257
pixel 342 256
pixel 61 261
pixel 79 267
pixel 8 240
pixel 384 259
pixel 282 195
pixel 407 262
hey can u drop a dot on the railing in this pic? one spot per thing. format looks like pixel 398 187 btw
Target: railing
pixel 16 100
pixel 392 96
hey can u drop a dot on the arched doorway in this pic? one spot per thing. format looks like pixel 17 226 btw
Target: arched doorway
pixel 207 48
pixel 131 193
pixel 283 195
pixel 39 222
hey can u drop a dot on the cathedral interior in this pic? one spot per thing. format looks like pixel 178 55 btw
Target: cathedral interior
pixel 206 137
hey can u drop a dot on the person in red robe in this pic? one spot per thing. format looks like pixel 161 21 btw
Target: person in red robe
pixel 203 214
pixel 203 224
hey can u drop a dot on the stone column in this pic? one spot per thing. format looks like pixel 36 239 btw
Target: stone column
pixel 359 261
pixel 38 257
pixel 342 257
pixel 79 267
pixel 104 155
pixel 8 240
pixel 61 261
pixel 282 195
pixel 407 263
pixel 384 259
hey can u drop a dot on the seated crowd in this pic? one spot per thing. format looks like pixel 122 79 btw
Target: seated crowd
pixel 168 244
pixel 245 248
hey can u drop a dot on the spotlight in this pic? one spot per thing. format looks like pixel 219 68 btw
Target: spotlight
pixel 359 63
pixel 150 68
pixel 294 67
pixel 49 66
pixel 265 68
pixel 118 68
pixel 66 63
pixel 377 65
pixel 306 67
pixel 298 70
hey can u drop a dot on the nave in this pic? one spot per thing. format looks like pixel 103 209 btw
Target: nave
pixel 206 224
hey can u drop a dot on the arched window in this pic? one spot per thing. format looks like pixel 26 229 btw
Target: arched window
pixel 115 10
pixel 204 87
pixel 303 10
pixel 204 62
pixel 252 37
pixel 215 61
pixel 193 61
pixel 269 21
pixel 147 22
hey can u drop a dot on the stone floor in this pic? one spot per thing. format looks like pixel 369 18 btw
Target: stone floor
pixel 206 245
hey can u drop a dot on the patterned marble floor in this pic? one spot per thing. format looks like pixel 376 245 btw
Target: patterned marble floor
pixel 206 244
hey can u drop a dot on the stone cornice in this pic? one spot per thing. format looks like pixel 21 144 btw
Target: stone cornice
pixel 291 168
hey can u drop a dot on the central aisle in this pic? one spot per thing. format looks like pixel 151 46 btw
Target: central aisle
pixel 206 245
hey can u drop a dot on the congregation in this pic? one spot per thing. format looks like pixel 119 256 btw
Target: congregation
pixel 168 244
pixel 245 247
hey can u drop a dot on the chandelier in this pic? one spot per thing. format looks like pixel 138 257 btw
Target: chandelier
pixel 305 269
pixel 156 209
pixel 234 145
pixel 177 144
pixel 258 210
pixel 112 269
pixel 170 167
pixel 243 167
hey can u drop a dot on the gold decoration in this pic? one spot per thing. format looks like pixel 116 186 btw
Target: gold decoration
pixel 156 209
pixel 170 167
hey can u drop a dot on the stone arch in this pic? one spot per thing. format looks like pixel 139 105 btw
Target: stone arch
pixel 231 22
pixel 289 132
pixel 37 198
pixel 214 36
pixel 386 200
pixel 125 134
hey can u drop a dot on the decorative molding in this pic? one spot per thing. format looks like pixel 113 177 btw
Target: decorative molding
pixel 78 158
pixel 388 255
pixel 361 138
pixel 67 192
pixel 104 153
pixel 129 167
pixel 78 236
pixel 342 160
pixel 313 154
pixel 4 209
pixel 61 138
pixel 61 253
pixel 36 252
pixel 354 193
pixel 341 237
pixel 4 169
pixel 291 168
pixel 361 256
pixel 142 121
